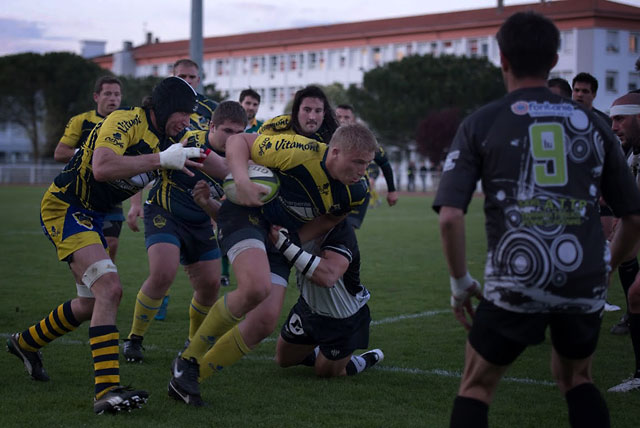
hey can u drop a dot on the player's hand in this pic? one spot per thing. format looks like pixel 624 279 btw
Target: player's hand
pixel 201 193
pixel 392 198
pixel 132 217
pixel 634 296
pixel 462 290
pixel 178 157
pixel 277 235
pixel 249 194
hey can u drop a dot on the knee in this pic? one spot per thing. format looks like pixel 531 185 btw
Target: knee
pixel 256 295
pixel 265 326
pixel 160 279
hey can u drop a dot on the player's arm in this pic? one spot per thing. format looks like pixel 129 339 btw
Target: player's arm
pixel 109 165
pixel 625 243
pixel 324 270
pixel 215 165
pixel 69 141
pixel 63 152
pixel 319 226
pixel 202 197
pixel 463 286
pixel 238 155
pixel 135 211
pixel 382 161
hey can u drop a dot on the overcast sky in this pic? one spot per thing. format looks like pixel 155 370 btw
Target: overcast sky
pixel 60 25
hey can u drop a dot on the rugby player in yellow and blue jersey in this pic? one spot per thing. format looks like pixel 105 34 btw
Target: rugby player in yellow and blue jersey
pixel 107 95
pixel 320 185
pixel 121 155
pixel 177 231
pixel 189 71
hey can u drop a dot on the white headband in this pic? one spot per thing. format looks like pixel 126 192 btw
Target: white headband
pixel 624 110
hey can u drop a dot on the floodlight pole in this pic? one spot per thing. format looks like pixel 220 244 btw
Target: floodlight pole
pixel 195 43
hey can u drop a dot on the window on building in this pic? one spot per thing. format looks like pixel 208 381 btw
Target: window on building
pixel 448 47
pixel 293 62
pixel 434 48
pixel 313 60
pixel 255 65
pixel 376 56
pixel 472 47
pixel 484 48
pixel 219 67
pixel 611 81
pixel 613 42
pixel 282 62
pixel 634 81
pixel 321 60
pixel 634 38
pixel 273 64
pixel 343 60
pixel 154 70
pixel 273 93
pixel 566 42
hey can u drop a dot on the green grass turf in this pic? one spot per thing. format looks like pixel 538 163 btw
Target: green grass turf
pixel 404 268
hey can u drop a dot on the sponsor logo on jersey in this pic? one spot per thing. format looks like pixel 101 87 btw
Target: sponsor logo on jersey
pixel 125 125
pixel 285 144
pixel 159 221
pixel 115 139
pixel 253 220
pixel 264 145
pixel 83 220
pixel 520 108
pixel 324 189
pixel 545 109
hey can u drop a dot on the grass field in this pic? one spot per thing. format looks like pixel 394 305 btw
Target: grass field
pixel 403 266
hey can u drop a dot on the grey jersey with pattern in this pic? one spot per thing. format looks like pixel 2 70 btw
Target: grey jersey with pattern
pixel 543 162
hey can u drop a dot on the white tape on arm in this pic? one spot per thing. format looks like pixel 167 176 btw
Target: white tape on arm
pixel 461 288
pixel 303 261
pixel 176 155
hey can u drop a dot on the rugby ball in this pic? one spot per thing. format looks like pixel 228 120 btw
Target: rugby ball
pixel 258 174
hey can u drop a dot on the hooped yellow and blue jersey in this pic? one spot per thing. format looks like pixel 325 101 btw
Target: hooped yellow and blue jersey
pixel 307 190
pixel 127 132
pixel 173 190
pixel 201 116
pixel 79 127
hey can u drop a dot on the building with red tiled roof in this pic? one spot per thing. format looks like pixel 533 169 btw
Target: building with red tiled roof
pixel 599 37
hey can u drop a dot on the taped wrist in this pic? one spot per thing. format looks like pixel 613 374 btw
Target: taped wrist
pixel 460 286
pixel 303 261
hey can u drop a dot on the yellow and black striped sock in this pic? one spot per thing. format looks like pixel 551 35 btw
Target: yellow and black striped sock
pixel 197 314
pixel 146 308
pixel 59 322
pixel 104 349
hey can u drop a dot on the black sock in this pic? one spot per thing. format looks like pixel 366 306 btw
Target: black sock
pixel 634 332
pixel 469 412
pixel 627 272
pixel 587 408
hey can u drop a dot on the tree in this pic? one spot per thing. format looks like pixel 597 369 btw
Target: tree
pixel 41 92
pixel 335 92
pixel 394 98
pixel 136 89
pixel 435 133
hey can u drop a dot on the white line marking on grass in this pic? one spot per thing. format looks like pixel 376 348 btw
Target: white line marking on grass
pixel 448 373
pixel 410 316
pixel 253 357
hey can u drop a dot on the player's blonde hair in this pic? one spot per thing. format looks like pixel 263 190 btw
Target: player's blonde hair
pixel 354 137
